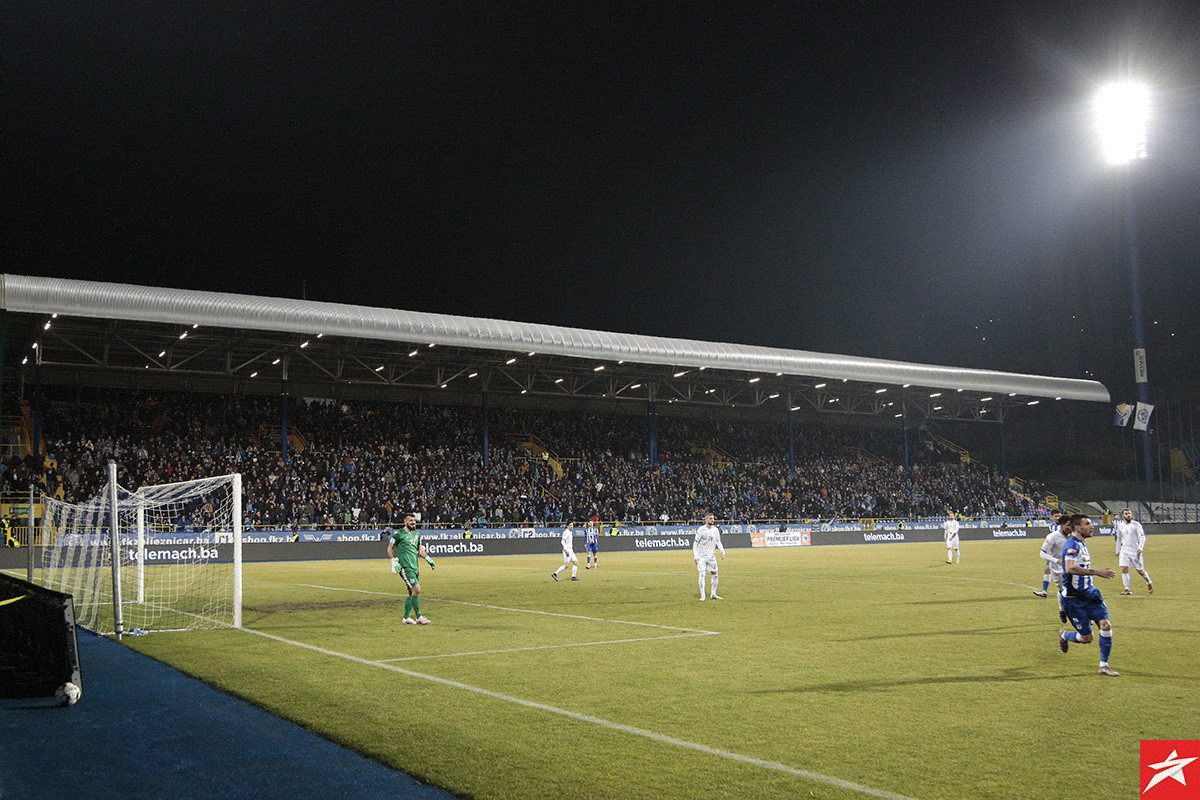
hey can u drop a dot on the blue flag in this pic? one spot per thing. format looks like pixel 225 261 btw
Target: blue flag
pixel 1124 413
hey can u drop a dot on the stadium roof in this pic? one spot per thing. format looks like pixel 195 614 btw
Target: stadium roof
pixel 108 334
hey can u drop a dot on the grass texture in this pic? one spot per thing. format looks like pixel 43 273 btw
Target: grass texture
pixel 826 672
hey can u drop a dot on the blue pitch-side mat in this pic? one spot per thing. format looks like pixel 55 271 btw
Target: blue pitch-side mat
pixel 145 730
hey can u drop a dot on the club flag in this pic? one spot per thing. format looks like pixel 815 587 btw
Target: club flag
pixel 1124 412
pixel 1141 420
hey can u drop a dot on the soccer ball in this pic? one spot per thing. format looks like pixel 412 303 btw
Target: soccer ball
pixel 67 694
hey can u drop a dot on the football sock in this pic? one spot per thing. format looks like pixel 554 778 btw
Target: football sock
pixel 701 585
pixel 713 590
pixel 574 569
pixel 1045 583
pixel 416 603
pixel 949 554
pixel 1146 576
pixel 560 569
pixel 407 606
pixel 1072 636
pixel 1105 646
pixel 1125 580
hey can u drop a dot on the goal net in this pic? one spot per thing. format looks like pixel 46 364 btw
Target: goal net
pixel 173 562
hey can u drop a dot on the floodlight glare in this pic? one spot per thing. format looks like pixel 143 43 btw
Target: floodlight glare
pixel 1122 110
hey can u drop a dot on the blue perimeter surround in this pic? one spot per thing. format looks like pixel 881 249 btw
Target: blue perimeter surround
pixel 143 729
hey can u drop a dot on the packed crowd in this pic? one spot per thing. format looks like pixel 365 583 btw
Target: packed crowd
pixel 365 464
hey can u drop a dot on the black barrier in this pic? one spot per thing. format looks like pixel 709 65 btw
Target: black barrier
pixel 13 558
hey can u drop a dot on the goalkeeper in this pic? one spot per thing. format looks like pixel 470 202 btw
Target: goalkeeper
pixel 404 547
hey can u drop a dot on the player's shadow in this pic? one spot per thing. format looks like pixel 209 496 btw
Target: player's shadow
pixel 959 601
pixel 1010 675
pixel 991 630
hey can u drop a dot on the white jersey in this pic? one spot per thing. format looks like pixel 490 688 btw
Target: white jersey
pixel 1131 538
pixel 1052 549
pixel 951 528
pixel 568 544
pixel 708 541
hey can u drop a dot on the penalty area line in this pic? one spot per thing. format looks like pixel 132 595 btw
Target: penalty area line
pixel 545 647
pixel 729 755
pixel 517 610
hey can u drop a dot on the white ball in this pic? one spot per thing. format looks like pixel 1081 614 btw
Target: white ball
pixel 68 694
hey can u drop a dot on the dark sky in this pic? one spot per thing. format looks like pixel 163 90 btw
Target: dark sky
pixel 909 180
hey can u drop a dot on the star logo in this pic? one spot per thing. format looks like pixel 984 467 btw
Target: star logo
pixel 1163 776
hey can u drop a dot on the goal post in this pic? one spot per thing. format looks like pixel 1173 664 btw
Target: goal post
pixel 164 557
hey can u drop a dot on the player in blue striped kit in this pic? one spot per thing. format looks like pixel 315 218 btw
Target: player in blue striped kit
pixel 591 543
pixel 1082 600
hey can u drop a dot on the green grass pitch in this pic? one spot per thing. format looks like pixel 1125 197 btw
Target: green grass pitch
pixel 827 672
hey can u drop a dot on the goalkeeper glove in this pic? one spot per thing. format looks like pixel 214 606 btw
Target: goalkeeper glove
pixel 429 561
pixel 396 565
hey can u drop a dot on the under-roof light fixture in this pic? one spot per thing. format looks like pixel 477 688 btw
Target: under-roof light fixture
pixel 598 369
pixel 25 360
pixel 413 353
pixel 523 391
pixel 905 386
pixel 303 345
pixel 46 327
pixel 937 408
pixel 1012 394
pixel 163 353
pixel 984 399
pixel 880 391
pixel 958 390
pixel 443 386
pixel 636 386
pixel 253 374
pixel 936 394
pixel 755 380
pixel 898 416
pixel 703 368
pixel 778 374
pixel 377 369
pixel 1033 402
pixel 819 386
pixel 473 374
pixel 35 344
pixel 772 397
pixel 183 335
pixel 558 380
pixel 54 315
pixel 273 363
pixel 1058 398
pixel 511 361
pixel 431 344
pixel 319 335
pixel 794 408
pixel 531 354
pixel 681 373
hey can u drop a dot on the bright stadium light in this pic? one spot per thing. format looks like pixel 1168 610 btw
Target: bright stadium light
pixel 1122 111
pixel 1123 114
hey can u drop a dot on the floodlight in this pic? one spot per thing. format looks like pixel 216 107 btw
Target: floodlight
pixel 1122 111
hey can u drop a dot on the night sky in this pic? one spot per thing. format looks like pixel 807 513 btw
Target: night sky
pixel 909 180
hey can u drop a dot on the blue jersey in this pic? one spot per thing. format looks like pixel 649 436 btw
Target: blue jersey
pixel 591 537
pixel 1077 586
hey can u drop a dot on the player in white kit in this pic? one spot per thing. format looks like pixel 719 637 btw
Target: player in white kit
pixel 568 553
pixel 950 526
pixel 1131 541
pixel 1051 553
pixel 704 553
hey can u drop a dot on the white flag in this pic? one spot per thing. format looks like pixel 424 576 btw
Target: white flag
pixel 1141 420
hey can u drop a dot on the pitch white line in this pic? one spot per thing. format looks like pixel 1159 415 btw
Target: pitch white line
pixel 604 723
pixel 517 610
pixel 547 647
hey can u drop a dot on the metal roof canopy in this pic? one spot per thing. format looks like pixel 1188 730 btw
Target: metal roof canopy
pixel 137 336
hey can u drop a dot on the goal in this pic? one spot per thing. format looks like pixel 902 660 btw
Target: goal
pixel 161 558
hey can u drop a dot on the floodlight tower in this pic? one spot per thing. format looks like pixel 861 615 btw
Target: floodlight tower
pixel 1123 112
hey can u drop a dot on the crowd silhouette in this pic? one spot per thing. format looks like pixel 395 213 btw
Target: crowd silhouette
pixel 362 464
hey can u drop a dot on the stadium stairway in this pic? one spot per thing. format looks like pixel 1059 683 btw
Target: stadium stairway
pixel 143 729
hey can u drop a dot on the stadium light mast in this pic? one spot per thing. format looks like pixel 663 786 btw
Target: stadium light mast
pixel 1123 114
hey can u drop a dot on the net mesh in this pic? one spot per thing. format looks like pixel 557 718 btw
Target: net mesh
pixel 176 556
